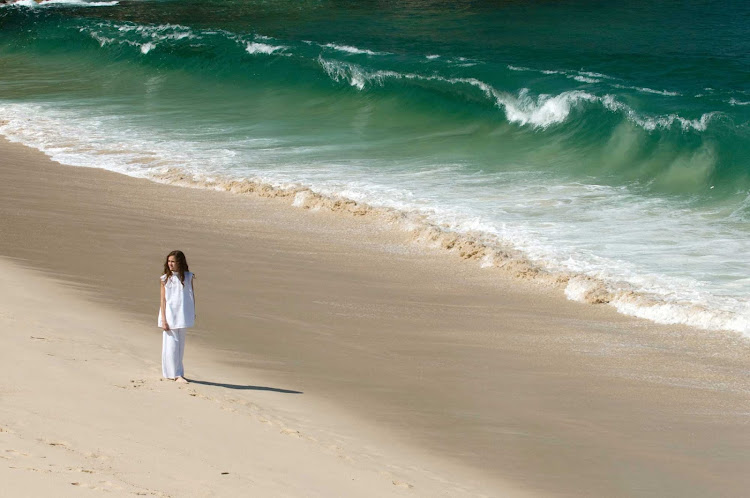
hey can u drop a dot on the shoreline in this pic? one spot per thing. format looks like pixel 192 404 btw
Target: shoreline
pixel 486 250
pixel 657 302
pixel 487 373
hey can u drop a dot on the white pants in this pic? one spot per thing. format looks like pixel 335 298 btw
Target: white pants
pixel 172 351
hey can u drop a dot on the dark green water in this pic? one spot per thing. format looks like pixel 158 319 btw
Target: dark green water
pixel 611 141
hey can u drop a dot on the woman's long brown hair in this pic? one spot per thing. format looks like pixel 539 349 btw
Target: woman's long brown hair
pixel 182 265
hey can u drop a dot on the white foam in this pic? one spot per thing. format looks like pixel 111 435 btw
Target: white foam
pixel 159 32
pixel 355 74
pixel 658 92
pixel 741 213
pixel 543 111
pixel 583 76
pixel 488 261
pixel 150 35
pixel 103 40
pixel 682 314
pixel 585 79
pixel 262 48
pixel 734 101
pixel 666 93
pixel 352 50
pixel 299 199
pixel 653 122
pixel 578 287
pixel 594 75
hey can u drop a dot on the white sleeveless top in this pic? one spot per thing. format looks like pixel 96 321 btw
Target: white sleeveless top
pixel 180 301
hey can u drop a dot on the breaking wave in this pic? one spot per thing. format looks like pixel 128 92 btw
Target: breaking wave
pixel 523 108
pixel 262 48
pixel 352 50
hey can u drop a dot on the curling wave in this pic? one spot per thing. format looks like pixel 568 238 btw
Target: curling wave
pixel 541 111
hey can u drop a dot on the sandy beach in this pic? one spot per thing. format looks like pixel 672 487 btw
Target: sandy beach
pixel 333 356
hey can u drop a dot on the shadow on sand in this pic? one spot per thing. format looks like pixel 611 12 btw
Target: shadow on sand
pixel 243 388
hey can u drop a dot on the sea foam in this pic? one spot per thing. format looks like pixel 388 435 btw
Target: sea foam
pixel 262 48
pixel 352 50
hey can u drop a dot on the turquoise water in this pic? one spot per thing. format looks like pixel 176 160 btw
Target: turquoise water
pixel 610 143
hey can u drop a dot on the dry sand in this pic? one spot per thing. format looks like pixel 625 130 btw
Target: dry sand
pixel 332 357
pixel 83 414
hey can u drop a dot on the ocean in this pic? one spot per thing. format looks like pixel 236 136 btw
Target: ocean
pixel 604 148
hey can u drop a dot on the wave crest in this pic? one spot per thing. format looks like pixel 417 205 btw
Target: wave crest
pixel 352 50
pixel 545 110
pixel 262 48
pixel 541 111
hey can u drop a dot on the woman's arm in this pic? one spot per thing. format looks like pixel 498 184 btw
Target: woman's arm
pixel 192 286
pixel 163 308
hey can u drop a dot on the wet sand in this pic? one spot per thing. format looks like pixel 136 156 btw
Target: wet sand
pixel 489 382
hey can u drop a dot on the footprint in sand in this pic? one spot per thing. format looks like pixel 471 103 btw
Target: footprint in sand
pixel 292 433
pixel 139 384
pixel 32 469
pixel 192 392
pixel 62 444
pixel 396 482
pixel 97 456
pixel 79 469
pixel 402 484
pixel 16 453
pixel 86 485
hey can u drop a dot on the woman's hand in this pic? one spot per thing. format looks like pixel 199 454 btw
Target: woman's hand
pixel 163 306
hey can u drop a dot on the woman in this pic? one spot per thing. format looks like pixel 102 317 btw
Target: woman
pixel 176 313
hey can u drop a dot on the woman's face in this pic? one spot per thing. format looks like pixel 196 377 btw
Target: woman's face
pixel 172 263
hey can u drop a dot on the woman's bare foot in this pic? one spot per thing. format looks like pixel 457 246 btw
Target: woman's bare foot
pixel 181 380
